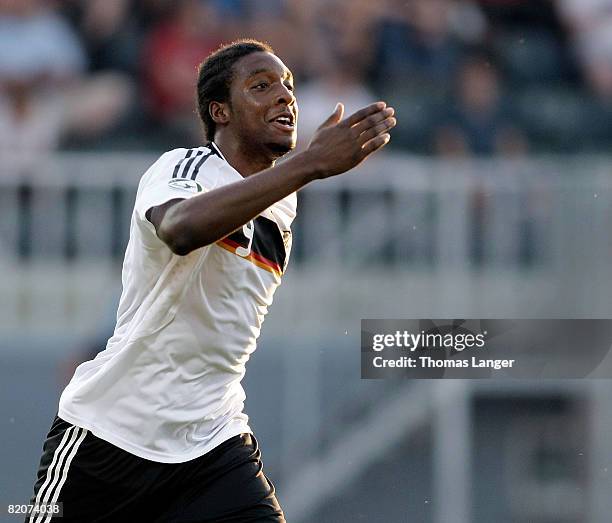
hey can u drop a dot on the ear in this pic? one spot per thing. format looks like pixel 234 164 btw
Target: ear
pixel 219 112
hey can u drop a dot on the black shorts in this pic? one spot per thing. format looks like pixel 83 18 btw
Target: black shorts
pixel 96 481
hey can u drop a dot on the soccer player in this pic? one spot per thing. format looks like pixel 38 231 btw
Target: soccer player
pixel 153 428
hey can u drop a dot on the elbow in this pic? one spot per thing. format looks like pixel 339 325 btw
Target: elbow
pixel 180 236
pixel 179 248
pixel 175 235
pixel 177 241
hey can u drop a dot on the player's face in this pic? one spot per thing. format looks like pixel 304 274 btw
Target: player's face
pixel 263 106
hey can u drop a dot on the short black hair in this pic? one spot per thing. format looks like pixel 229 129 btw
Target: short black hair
pixel 215 76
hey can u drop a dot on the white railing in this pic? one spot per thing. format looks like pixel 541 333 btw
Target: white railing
pixel 399 211
pixel 486 237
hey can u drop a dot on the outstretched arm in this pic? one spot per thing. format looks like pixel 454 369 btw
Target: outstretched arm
pixel 338 145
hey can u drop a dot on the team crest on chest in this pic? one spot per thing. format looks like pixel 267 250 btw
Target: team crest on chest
pixel 185 184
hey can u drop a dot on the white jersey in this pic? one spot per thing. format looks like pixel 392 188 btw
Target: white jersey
pixel 167 386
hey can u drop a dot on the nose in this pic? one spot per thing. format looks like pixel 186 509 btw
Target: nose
pixel 285 96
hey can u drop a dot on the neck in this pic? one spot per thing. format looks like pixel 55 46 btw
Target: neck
pixel 241 158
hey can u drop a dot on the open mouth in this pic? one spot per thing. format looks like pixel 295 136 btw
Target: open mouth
pixel 284 122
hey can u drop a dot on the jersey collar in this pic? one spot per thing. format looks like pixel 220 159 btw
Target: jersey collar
pixel 282 212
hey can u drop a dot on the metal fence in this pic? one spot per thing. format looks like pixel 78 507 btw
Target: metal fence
pixel 397 211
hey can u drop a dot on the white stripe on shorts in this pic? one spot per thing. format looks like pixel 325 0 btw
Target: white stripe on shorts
pixel 53 466
pixel 56 493
pixel 53 472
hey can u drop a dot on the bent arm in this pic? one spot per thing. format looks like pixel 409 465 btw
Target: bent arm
pixel 186 225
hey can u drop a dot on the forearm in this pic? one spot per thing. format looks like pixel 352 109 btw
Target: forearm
pixel 337 147
pixel 206 218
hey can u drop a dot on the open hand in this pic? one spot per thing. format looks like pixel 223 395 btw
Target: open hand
pixel 339 145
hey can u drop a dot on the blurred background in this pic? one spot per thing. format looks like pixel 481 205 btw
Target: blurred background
pixel 492 201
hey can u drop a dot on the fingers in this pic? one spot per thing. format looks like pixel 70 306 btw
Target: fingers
pixel 375 144
pixel 371 127
pixel 371 109
pixel 372 120
pixel 381 127
pixel 340 109
pixel 335 117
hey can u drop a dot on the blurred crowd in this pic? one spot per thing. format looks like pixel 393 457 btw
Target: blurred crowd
pixel 467 77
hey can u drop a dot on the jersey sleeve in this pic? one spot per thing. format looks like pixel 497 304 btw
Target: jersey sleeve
pixel 182 173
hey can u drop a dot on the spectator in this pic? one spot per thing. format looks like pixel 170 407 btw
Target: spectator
pixel 110 34
pixel 590 25
pixel 236 16
pixel 38 52
pixel 416 43
pixel 478 121
pixel 308 32
pixel 278 23
pixel 171 55
pixel 339 79
pixel 37 43
pixel 29 121
pixel 43 95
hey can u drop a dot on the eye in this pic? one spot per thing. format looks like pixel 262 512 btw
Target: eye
pixel 261 86
pixel 290 87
